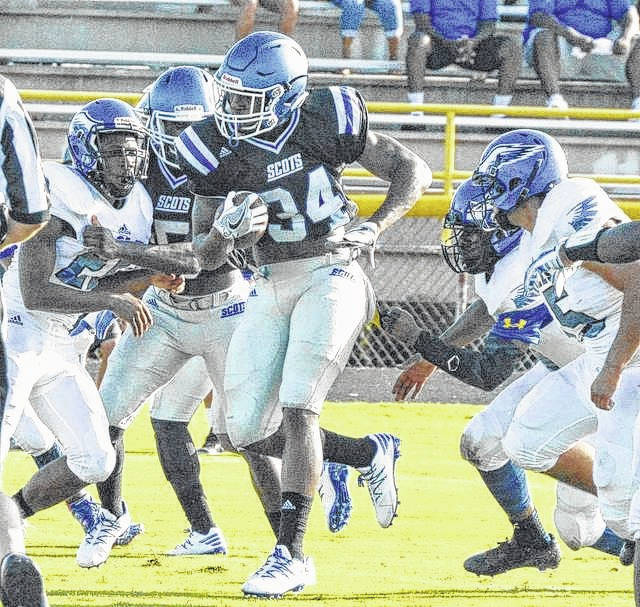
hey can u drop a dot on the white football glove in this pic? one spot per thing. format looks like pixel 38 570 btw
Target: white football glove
pixel 542 272
pixel 361 238
pixel 235 221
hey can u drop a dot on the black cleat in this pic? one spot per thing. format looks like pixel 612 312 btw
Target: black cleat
pixel 513 555
pixel 21 583
pixel 627 552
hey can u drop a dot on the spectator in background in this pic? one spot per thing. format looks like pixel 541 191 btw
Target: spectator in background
pixel 288 10
pixel 561 33
pixel 462 33
pixel 389 13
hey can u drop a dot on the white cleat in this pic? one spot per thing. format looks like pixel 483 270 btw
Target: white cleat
pixel 97 544
pixel 334 494
pixel 212 542
pixel 380 477
pixel 280 574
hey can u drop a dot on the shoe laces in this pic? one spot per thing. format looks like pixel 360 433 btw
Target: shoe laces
pixel 374 478
pixel 276 563
pixel 103 529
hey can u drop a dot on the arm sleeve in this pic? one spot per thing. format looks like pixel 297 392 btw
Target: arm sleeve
pixel 485 370
pixel 22 178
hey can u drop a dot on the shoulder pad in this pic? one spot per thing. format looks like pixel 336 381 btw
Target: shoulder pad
pixel 71 195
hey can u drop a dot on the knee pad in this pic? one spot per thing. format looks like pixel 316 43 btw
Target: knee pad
pixel 524 451
pixel 481 444
pixel 577 517
pixel 93 467
pixel 612 476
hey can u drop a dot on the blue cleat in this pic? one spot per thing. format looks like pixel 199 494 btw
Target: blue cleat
pixel 21 582
pixel 334 494
pixel 85 511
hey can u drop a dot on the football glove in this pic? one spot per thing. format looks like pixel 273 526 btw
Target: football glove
pixel 400 325
pixel 235 221
pixel 361 238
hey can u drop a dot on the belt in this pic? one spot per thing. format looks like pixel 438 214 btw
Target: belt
pixel 195 303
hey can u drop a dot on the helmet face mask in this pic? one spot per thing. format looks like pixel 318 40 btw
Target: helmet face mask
pixel 179 97
pixel 260 83
pixel 466 247
pixel 109 147
pixel 514 167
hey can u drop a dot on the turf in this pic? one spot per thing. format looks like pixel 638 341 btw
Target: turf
pixel 445 514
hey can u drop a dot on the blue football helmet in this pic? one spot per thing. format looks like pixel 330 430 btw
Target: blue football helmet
pixel 111 171
pixel 465 246
pixel 515 166
pixel 262 80
pixel 180 96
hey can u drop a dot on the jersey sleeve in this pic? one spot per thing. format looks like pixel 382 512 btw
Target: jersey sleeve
pixel 340 124
pixel 22 179
pixel 197 160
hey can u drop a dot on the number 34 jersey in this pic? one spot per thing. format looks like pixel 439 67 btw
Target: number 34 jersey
pixel 75 201
pixel 297 172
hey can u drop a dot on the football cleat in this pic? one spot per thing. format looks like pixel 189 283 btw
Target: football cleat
pixel 212 542
pixel 380 477
pixel 334 495
pixel 21 582
pixel 85 511
pixel 132 531
pixel 513 555
pixel 627 552
pixel 211 445
pixel 280 574
pixel 97 544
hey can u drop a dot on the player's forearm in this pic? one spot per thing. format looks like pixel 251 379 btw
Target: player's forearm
pixel 627 339
pixel 176 258
pixel 473 323
pixel 620 244
pixel 20 232
pixel 485 370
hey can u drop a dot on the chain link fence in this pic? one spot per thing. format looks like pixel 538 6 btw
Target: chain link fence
pixel 411 272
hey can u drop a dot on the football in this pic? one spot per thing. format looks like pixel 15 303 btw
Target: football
pixel 252 201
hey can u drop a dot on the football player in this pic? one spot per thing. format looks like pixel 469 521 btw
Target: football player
pixel 54 281
pixel 197 324
pixel 270 135
pixel 25 212
pixel 595 303
pixel 494 258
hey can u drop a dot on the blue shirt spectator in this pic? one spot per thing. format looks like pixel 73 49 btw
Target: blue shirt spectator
pixel 455 19
pixel 593 18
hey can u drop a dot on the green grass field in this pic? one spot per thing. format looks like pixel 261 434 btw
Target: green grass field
pixel 445 514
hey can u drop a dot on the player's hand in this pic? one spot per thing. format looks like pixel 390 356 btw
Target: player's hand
pixel 604 386
pixel 542 272
pixel 133 310
pixel 400 325
pixel 584 43
pixel 100 240
pixel 412 379
pixel 621 46
pixel 169 282
pixel 361 238
pixel 237 220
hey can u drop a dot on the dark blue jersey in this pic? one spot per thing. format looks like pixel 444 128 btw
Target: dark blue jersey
pixel 297 172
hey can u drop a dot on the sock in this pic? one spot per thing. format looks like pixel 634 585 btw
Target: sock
pixel 609 542
pixel 416 97
pixel 48 456
pixel 355 452
pixel 294 511
pixel 530 531
pixel 110 490
pixel 502 99
pixel 508 485
pixel 76 497
pixel 274 521
pixel 23 507
pixel 181 468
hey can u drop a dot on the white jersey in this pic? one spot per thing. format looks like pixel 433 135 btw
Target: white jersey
pixel 586 306
pixel 76 201
pixel 534 326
